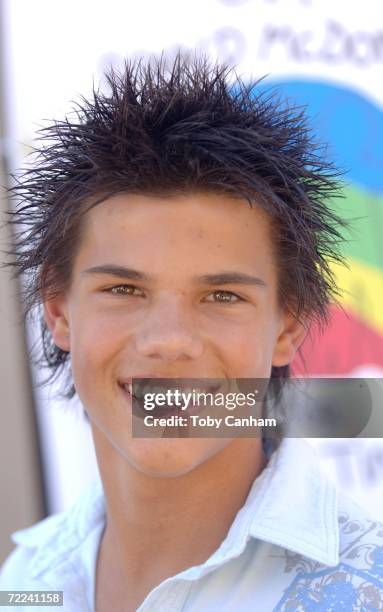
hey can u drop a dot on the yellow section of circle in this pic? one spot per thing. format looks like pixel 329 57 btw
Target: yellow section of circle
pixel 362 291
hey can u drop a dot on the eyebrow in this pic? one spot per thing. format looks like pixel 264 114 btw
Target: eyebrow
pixel 118 271
pixel 221 278
pixel 231 278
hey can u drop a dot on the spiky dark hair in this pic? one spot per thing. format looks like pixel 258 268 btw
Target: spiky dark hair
pixel 194 127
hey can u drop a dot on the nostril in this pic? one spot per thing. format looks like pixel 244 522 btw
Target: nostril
pixel 170 346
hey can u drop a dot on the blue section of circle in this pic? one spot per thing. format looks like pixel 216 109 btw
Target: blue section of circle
pixel 348 122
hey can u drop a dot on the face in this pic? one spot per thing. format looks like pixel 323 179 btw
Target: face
pixel 176 287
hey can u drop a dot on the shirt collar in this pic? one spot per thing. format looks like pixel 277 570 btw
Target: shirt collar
pixel 291 504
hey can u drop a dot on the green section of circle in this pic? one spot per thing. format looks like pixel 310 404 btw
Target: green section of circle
pixel 365 212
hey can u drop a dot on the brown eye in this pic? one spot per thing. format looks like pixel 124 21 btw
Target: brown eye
pixel 225 297
pixel 124 290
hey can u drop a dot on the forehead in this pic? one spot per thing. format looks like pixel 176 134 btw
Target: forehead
pixel 157 229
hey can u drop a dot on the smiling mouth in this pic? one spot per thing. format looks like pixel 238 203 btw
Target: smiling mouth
pixel 137 391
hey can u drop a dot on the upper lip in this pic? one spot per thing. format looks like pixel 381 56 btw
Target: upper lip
pixel 129 379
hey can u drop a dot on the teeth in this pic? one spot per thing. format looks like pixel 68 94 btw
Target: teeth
pixel 155 389
pixel 128 388
pixel 141 390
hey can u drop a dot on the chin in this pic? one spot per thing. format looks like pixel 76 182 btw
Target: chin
pixel 171 458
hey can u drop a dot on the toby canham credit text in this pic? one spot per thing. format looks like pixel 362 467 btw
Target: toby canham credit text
pixel 196 420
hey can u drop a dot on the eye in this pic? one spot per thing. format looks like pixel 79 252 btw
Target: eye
pixel 224 297
pixel 124 290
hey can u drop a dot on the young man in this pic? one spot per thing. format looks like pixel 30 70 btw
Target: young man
pixel 177 228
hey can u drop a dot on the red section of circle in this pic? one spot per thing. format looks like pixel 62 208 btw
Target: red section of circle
pixel 346 344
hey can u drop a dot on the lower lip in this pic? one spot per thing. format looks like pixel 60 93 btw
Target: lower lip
pixel 165 411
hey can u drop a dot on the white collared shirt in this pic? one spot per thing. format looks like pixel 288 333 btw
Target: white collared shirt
pixel 289 548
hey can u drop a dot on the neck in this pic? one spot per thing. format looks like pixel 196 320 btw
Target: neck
pixel 183 519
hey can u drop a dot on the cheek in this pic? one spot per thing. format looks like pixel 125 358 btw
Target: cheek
pixel 95 342
pixel 250 353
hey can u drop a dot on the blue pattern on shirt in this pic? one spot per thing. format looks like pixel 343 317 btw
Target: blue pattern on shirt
pixel 354 585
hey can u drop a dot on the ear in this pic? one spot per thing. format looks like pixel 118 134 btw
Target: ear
pixel 56 317
pixel 291 335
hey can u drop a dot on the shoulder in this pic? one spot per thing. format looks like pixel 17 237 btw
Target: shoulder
pixel 19 570
pixel 47 546
pixel 360 540
pixel 355 583
pixel 15 572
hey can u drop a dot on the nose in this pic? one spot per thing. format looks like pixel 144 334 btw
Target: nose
pixel 169 332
